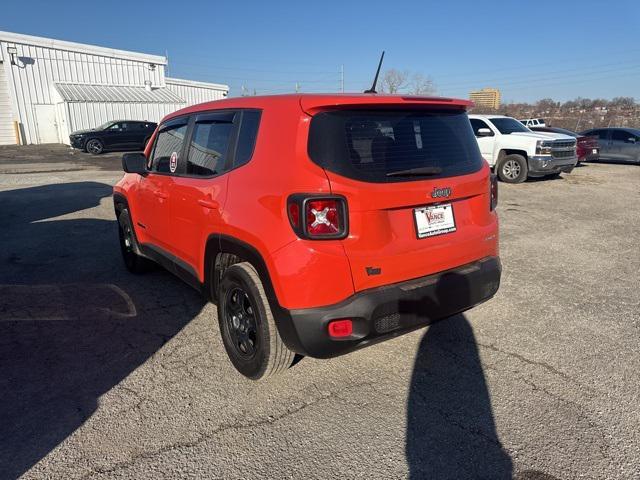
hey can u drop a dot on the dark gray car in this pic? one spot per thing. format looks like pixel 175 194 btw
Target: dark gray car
pixel 617 144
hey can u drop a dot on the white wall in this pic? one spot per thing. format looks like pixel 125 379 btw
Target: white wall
pixel 7 134
pixel 196 92
pixel 38 67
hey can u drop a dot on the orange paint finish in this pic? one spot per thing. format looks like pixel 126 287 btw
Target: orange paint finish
pixel 249 203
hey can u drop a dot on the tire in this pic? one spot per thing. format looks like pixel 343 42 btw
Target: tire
pixel 513 169
pixel 94 146
pixel 248 330
pixel 134 262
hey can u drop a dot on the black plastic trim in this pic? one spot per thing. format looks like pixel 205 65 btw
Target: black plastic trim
pixel 172 263
pixel 408 306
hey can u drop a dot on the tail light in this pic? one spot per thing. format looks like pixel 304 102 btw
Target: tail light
pixel 318 217
pixel 493 192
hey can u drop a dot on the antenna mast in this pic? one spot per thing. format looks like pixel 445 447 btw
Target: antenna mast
pixel 375 80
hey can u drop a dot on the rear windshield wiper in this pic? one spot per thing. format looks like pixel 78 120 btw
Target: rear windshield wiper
pixel 416 172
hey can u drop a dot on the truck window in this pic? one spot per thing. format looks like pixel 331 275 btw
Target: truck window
pixel 477 124
pixel 508 125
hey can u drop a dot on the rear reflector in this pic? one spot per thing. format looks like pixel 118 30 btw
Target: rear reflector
pixel 340 328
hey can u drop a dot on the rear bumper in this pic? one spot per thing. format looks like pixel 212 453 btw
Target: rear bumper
pixel 540 166
pixel 385 312
pixel 590 157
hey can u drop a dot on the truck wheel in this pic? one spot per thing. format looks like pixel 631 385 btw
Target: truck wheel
pixel 249 332
pixel 513 169
pixel 134 262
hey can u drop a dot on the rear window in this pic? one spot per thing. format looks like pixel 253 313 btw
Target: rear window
pixel 377 146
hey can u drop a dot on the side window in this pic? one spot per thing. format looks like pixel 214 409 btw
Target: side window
pixel 601 134
pixel 477 124
pixel 208 149
pixel 622 135
pixel 168 144
pixel 247 137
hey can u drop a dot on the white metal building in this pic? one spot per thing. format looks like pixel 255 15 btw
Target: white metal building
pixel 49 88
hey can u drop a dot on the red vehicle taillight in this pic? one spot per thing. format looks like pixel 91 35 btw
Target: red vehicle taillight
pixel 318 218
pixel 493 192
pixel 340 328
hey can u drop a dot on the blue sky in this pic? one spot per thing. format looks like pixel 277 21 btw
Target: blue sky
pixel 529 50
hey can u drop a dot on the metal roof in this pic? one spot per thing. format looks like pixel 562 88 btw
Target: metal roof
pixel 80 47
pixel 75 92
pixel 193 83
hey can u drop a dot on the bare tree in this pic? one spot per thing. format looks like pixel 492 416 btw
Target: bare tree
pixel 394 80
pixel 421 85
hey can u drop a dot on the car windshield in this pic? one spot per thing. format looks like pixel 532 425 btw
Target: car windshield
pixel 508 125
pixel 104 126
pixel 394 145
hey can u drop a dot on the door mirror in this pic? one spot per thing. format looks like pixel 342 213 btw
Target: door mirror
pixel 134 163
pixel 485 132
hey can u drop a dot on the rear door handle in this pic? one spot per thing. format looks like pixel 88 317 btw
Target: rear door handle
pixel 209 203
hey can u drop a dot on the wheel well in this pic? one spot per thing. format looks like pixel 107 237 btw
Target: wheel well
pixel 224 250
pixel 119 203
pixel 507 151
pixel 221 252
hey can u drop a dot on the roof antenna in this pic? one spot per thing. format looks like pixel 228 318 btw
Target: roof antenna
pixel 375 80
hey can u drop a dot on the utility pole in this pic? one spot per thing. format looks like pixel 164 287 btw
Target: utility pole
pixel 342 78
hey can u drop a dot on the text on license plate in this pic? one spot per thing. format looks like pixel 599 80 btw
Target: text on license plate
pixel 434 220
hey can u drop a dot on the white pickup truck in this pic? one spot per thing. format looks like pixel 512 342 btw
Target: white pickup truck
pixel 515 152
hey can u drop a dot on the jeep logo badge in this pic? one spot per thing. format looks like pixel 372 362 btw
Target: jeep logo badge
pixel 441 192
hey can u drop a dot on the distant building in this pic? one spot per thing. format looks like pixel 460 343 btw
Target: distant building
pixel 49 88
pixel 487 97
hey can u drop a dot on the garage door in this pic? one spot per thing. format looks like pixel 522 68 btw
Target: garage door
pixel 7 135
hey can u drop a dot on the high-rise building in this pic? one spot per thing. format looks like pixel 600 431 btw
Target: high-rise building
pixel 487 97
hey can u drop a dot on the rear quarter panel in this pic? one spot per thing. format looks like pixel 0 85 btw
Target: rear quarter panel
pixel 304 273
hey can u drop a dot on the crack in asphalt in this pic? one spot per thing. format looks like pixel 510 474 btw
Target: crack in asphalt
pixel 536 363
pixel 221 429
pixel 580 413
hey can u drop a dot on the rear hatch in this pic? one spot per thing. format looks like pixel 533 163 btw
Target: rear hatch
pixel 417 189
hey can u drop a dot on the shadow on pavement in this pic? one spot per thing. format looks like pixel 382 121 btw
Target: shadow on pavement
pixel 73 322
pixel 451 431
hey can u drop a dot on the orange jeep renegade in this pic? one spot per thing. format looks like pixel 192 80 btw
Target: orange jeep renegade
pixel 319 224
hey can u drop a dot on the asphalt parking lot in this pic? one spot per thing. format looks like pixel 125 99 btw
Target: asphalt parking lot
pixel 108 375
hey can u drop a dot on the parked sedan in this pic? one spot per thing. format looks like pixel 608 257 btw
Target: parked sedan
pixel 115 135
pixel 587 148
pixel 617 144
